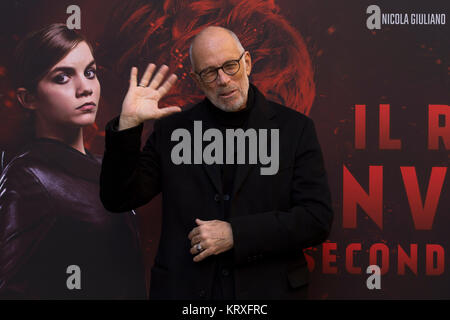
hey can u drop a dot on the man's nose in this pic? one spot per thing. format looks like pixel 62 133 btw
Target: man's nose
pixel 84 87
pixel 222 77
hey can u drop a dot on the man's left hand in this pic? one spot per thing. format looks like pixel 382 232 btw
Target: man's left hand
pixel 213 237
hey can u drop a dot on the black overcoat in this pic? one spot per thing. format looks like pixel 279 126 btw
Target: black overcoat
pixel 273 217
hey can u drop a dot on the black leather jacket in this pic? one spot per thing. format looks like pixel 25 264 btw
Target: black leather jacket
pixel 51 218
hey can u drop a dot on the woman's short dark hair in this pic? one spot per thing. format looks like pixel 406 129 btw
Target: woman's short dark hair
pixel 39 51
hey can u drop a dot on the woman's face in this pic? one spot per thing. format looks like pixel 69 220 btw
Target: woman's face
pixel 68 95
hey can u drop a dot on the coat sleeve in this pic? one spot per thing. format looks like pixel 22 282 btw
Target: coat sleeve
pixel 308 221
pixel 25 220
pixel 129 177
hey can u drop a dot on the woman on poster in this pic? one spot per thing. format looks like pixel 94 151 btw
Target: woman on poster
pixel 56 239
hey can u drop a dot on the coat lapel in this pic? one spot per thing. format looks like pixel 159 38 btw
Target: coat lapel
pixel 261 117
pixel 213 172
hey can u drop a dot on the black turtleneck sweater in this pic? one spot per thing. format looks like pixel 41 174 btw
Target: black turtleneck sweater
pixel 223 287
pixel 223 120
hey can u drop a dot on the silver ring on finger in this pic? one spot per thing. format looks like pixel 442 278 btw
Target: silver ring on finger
pixel 141 85
pixel 199 247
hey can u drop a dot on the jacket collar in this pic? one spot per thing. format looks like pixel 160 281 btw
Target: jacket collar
pixel 59 155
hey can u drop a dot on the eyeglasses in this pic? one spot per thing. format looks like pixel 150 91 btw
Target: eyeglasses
pixel 230 67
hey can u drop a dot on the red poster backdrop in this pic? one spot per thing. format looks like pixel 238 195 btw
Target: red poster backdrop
pixel 379 99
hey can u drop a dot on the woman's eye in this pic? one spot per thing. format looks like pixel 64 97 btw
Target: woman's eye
pixel 90 73
pixel 61 78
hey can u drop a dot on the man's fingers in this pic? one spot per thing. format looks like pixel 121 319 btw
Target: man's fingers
pixel 147 75
pixel 164 112
pixel 200 222
pixel 133 77
pixel 194 248
pixel 165 87
pixel 193 233
pixel 202 255
pixel 159 76
pixel 195 240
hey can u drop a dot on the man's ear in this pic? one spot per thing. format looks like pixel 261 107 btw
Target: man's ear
pixel 26 98
pixel 248 62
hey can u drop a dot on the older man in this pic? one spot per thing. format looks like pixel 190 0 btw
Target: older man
pixel 230 230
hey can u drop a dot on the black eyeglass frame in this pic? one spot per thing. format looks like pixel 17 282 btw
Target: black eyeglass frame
pixel 216 70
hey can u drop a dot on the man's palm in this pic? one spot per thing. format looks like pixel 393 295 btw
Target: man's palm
pixel 141 102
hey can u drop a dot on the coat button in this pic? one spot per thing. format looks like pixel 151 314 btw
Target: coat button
pixel 202 293
pixel 225 272
pixel 217 197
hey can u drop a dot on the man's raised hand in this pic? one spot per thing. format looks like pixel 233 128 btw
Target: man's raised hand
pixel 141 102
